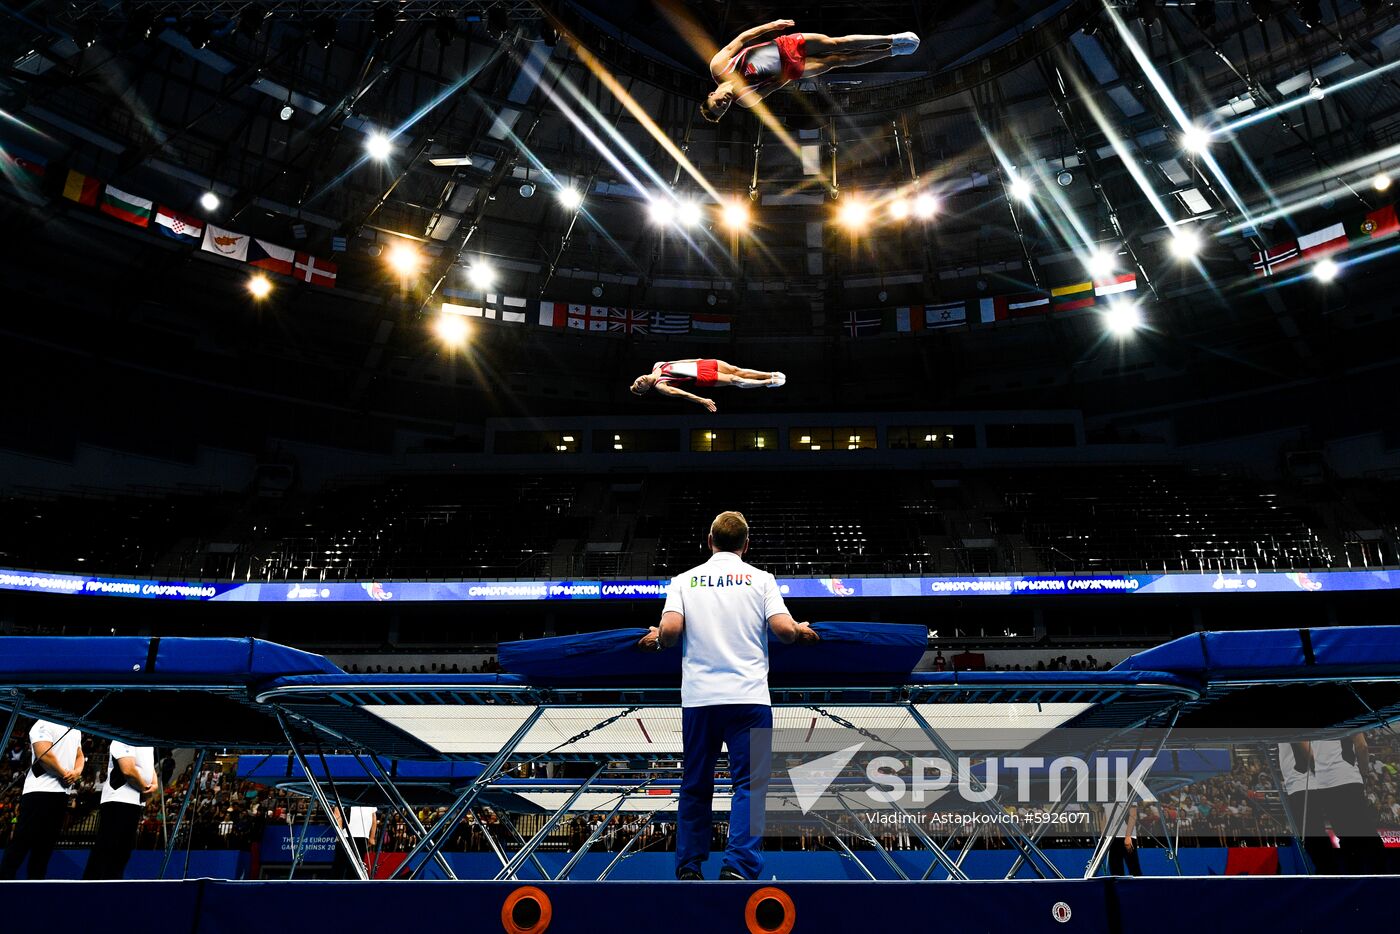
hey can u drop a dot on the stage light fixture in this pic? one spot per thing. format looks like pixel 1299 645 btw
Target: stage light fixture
pixel 1326 270
pixel 854 214
pixel 597 291
pixel 259 286
pixel 452 329
pixel 1064 178
pixel 497 23
pixel 1020 189
pixel 378 146
pixel 899 208
pixel 1122 318
pixel 404 258
pixel 481 274
pixel 527 190
pixel 736 215
pixel 199 32
pixel 688 213
pixel 662 210
pixel 1101 263
pixel 1195 139
pixel 286 112
pixel 209 201
pixel 85 34
pixel 925 206
pixel 141 23
pixel 1310 12
pixel 1316 91
pixel 1185 243
pixel 569 198
pixel 1381 182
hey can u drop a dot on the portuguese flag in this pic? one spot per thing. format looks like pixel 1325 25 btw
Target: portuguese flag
pixel 81 188
pixel 126 207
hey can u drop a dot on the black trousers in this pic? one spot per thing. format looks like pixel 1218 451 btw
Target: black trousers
pixel 37 827
pixel 341 867
pixel 1120 857
pixel 116 838
pixel 1351 817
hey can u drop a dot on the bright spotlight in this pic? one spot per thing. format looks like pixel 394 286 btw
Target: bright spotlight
pixel 1101 264
pixel 482 275
pixel 1122 318
pixel 569 198
pixel 1381 182
pixel 1185 243
pixel 688 213
pixel 899 208
pixel 736 215
pixel 662 211
pixel 209 201
pixel 1316 91
pixel 1195 139
pixel 404 258
pixel 378 146
pixel 1325 270
pixel 259 286
pixel 1020 188
pixel 925 206
pixel 854 213
pixel 452 329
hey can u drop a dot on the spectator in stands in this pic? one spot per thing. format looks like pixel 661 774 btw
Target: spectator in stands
pixel 131 773
pixel 721 612
pixel 57 754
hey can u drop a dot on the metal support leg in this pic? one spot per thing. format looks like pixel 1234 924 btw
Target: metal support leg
pixel 397 800
pixel 429 840
pixel 491 840
pixel 16 702
pixel 1275 770
pixel 341 834
pixel 597 832
pixel 940 855
pixel 874 840
pixel 184 806
pixel 622 853
pixel 513 867
pixel 1172 845
pixel 1018 837
pixel 299 852
pixel 521 843
pixel 1112 821
pixel 836 831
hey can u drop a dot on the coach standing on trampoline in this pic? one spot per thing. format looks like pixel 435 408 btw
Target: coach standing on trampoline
pixel 721 612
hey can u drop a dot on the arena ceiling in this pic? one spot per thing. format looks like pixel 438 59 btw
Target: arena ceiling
pixel 270 106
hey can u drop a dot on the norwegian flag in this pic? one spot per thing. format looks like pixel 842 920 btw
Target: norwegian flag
pixel 316 271
pixel 628 321
pixel 1275 258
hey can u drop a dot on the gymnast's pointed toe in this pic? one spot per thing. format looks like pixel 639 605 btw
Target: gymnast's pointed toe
pixel 777 379
pixel 905 43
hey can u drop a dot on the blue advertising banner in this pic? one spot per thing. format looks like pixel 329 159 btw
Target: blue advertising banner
pixel 489 591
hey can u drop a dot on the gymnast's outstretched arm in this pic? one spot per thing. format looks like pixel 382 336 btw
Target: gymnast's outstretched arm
pixel 679 393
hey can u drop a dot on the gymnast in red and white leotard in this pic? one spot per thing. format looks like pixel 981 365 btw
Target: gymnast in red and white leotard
pixel 761 60
pixel 667 375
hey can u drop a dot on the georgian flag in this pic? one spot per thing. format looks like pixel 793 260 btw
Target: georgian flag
pixel 588 318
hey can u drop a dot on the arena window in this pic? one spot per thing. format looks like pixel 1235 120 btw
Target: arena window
pixel 1032 435
pixel 718 440
pixel 630 441
pixel 839 438
pixel 537 442
pixel 908 437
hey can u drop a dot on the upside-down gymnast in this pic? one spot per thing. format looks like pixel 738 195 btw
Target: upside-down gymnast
pixel 702 374
pixel 761 60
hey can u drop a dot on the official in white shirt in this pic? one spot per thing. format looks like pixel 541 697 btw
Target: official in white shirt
pixel 131 773
pixel 57 765
pixel 1325 781
pixel 363 831
pixel 721 613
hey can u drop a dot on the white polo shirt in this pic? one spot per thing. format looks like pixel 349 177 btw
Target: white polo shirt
pixel 145 758
pixel 726 603
pixel 66 744
pixel 361 822
pixel 1330 767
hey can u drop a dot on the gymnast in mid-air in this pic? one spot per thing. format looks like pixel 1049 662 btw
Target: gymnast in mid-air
pixel 665 377
pixel 761 60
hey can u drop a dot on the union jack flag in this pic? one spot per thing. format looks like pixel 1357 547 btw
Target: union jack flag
pixel 628 321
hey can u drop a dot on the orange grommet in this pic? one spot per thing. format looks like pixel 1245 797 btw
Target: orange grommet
pixel 526 911
pixel 770 911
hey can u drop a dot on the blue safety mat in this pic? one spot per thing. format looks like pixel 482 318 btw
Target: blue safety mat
pixel 1283 654
pixel 151 660
pixel 848 654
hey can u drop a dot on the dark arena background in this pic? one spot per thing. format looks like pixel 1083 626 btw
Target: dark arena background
pixel 371 368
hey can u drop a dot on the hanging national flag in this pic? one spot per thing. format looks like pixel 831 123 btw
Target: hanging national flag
pixel 1276 258
pixel 513 309
pixel 1319 243
pixel 588 318
pixel 225 242
pixel 126 207
pixel 469 311
pixel 667 322
pixel 272 257
pixel 177 226
pixel 81 188
pixel 337 244
pixel 1380 223
pixel 316 271
pixel 1025 305
pixel 554 314
pixel 945 315
pixel 1073 297
pixel 905 319
pixel 24 160
pixel 1115 285
pixel 628 321
pixel 711 324
pixel 862 323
